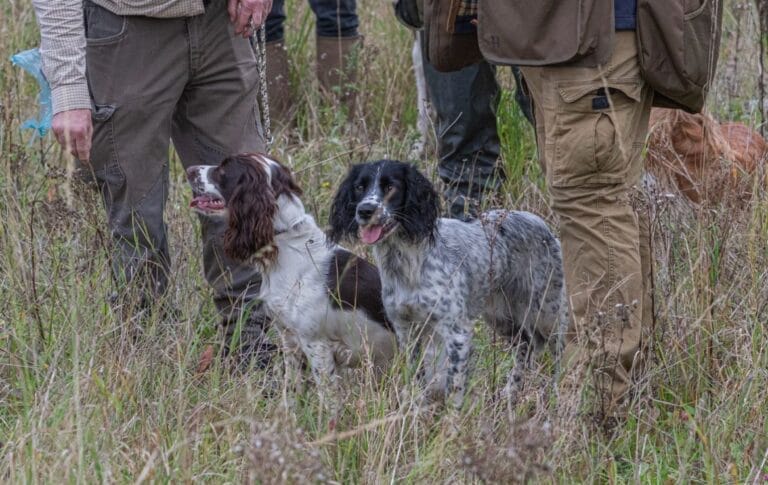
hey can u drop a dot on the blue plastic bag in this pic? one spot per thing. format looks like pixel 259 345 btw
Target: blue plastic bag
pixel 31 62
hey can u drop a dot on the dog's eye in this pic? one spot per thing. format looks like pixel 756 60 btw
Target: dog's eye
pixel 388 188
pixel 359 188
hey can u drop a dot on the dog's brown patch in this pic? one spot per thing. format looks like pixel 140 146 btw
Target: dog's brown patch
pixel 709 162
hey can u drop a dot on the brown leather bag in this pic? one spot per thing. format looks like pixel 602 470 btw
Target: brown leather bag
pixel 448 49
pixel 546 32
pixel 679 44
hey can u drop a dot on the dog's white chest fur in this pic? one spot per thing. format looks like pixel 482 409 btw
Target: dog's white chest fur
pixel 296 294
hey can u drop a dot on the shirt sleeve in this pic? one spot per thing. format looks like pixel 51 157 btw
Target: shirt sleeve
pixel 62 48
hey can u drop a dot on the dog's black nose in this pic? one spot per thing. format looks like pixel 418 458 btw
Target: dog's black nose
pixel 365 210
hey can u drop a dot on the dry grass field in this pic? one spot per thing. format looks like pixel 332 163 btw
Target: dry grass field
pixel 82 403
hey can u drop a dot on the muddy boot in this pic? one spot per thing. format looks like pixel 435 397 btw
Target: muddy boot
pixel 279 86
pixel 337 59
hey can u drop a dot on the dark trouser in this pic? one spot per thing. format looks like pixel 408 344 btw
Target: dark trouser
pixel 465 102
pixel 335 18
pixel 152 80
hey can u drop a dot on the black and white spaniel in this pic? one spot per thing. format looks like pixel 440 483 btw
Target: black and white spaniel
pixel 326 300
pixel 439 275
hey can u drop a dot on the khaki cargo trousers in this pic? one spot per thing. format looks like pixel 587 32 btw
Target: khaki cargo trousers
pixel 591 125
pixel 190 80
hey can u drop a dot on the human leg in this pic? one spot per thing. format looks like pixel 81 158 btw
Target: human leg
pixel 591 126
pixel 134 92
pixel 217 116
pixel 338 47
pixel 468 143
pixel 278 74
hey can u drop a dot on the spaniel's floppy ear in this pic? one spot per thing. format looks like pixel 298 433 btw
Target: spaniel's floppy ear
pixel 342 220
pixel 252 208
pixel 421 205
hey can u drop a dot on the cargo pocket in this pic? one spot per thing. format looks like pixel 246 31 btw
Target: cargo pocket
pixel 594 132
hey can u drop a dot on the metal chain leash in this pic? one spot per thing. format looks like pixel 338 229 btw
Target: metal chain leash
pixel 259 45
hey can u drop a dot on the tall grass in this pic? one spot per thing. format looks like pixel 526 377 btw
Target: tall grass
pixel 81 402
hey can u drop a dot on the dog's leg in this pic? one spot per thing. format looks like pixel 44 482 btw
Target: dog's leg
pixel 410 342
pixel 294 363
pixel 323 365
pixel 458 346
pixel 407 341
pixel 523 359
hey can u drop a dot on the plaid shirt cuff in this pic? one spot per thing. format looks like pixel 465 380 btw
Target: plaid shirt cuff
pixel 70 96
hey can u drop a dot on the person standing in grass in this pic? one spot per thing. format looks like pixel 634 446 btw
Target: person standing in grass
pixel 594 76
pixel 129 77
pixel 591 119
pixel 337 47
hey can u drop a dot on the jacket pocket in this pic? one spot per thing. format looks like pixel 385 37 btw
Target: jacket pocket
pixel 679 44
pixel 546 32
pixel 596 132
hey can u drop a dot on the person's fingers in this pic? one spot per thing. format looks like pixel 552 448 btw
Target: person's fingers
pixel 83 149
pixel 67 140
pixel 243 17
pixel 232 9
pixel 60 137
pixel 258 14
pixel 59 128
pixel 250 15
pixel 266 7
pixel 74 131
pixel 83 145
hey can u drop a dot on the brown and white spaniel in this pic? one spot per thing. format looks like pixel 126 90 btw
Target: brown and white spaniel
pixel 326 300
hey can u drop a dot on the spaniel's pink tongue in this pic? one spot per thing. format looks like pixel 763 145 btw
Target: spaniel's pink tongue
pixel 370 234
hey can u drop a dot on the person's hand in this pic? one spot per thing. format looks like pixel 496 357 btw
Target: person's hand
pixel 74 131
pixel 248 15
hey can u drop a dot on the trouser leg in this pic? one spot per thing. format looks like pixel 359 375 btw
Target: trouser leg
pixel 468 143
pixel 591 126
pixel 338 50
pixel 600 238
pixel 336 18
pixel 217 116
pixel 274 27
pixel 281 104
pixel 134 93
pixel 646 266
